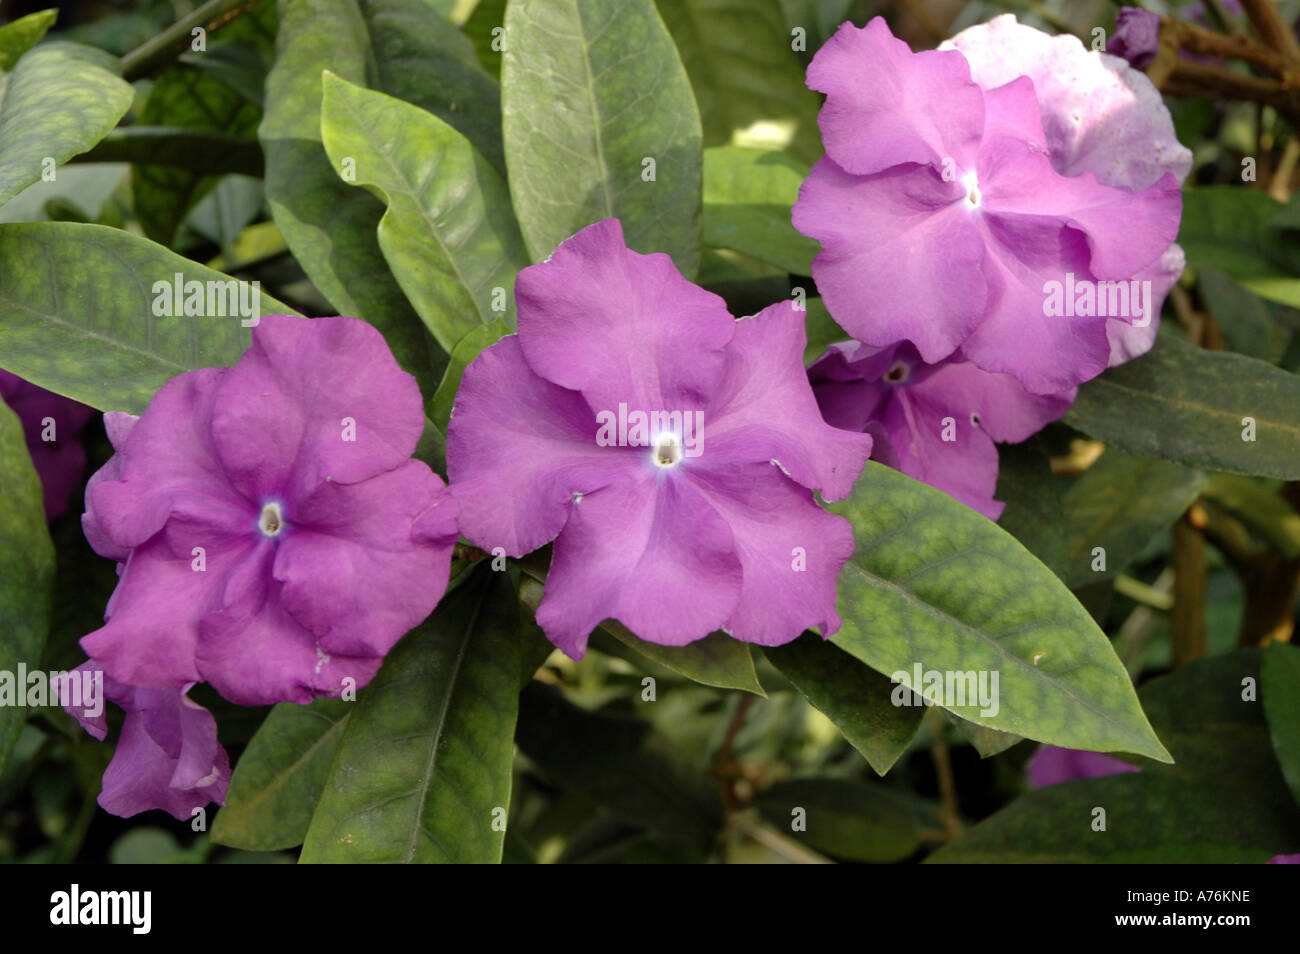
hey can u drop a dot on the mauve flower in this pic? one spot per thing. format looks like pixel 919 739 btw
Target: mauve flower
pixel 704 523
pixel 1137 36
pixel 1100 116
pixel 167 757
pixel 60 462
pixel 934 422
pixel 276 538
pixel 1051 765
pixel 1284 860
pixel 942 218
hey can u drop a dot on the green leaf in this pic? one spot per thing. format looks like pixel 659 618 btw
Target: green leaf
pixel 26 571
pixel 330 226
pixel 209 153
pixel 487 16
pixel 61 99
pixel 856 698
pixel 185 99
pixel 76 314
pixel 588 91
pixel 423 770
pixel 1246 321
pixel 1223 800
pixel 1119 504
pixel 1279 690
pixel 449 234
pixel 987 742
pixel 745 73
pixel 620 763
pixel 1033 513
pixel 847 819
pixel 281 775
pixel 934 584
pixel 821 329
pixel 1185 404
pixel 1227 228
pixel 748 194
pixel 21 35
pixel 466 350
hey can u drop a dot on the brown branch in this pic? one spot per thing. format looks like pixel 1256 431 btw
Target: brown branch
pixel 1271 27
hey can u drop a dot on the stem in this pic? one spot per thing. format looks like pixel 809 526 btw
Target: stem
pixel 1272 29
pixel 1188 615
pixel 949 811
pixel 160 50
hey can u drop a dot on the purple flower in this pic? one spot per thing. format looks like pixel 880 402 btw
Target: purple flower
pixel 942 219
pixel 589 428
pixel 275 538
pixel 936 423
pixel 1137 36
pixel 1051 765
pixel 1100 116
pixel 167 757
pixel 60 461
pixel 1284 860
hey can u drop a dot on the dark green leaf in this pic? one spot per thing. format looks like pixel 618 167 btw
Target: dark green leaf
pixel 1279 690
pixel 846 819
pixel 1246 320
pixel 856 698
pixel 1119 504
pixel 1226 227
pixel 281 775
pixel 748 194
pixel 466 350
pixel 620 763
pixel 423 770
pixel 1185 404
pixel 1033 514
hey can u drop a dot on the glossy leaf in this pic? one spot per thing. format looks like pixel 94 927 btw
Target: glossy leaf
pixel 423 770
pixel 449 234
pixel 934 584
pixel 77 314
pixel 21 35
pixel 280 776
pixel 1227 228
pixel 466 350
pixel 590 91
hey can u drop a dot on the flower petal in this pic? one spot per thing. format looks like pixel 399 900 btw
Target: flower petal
pixel 652 554
pixel 518 449
pixel 314 399
pixel 901 258
pixel 886 105
pixel 619 326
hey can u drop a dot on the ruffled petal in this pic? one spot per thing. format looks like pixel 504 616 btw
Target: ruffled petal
pixel 886 105
pixel 764 409
pixel 353 572
pixel 791 551
pixel 652 554
pixel 518 449
pixel 620 327
pixel 901 256
pixel 311 400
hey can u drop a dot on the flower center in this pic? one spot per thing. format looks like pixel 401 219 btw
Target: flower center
pixel 973 197
pixel 271 522
pixel 898 373
pixel 667 450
